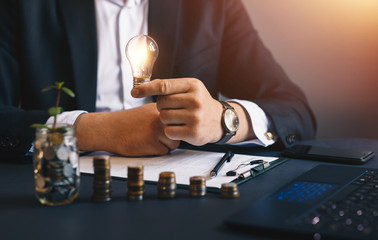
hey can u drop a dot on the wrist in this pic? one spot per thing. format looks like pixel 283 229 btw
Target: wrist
pixel 229 122
pixel 245 131
pixel 78 119
pixel 88 132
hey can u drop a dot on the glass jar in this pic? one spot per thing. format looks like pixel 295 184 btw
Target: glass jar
pixel 56 166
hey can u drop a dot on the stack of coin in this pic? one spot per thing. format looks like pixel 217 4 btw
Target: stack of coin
pixel 230 190
pixel 135 183
pixel 167 185
pixel 102 180
pixel 197 186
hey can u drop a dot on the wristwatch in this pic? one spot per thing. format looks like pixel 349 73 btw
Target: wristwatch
pixel 230 122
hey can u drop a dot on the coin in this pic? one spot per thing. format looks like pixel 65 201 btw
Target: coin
pixel 49 153
pixel 102 179
pixel 197 186
pixel 102 161
pixel 63 153
pixel 68 171
pixel 55 173
pixel 230 190
pixel 167 185
pixel 58 194
pixel 135 182
pixel 56 138
pixel 39 181
pixel 74 159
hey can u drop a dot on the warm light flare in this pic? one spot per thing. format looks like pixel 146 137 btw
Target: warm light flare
pixel 139 56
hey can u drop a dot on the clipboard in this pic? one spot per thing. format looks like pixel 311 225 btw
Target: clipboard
pixel 260 169
pixel 185 163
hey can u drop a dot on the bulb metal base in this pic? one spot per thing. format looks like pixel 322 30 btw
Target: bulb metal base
pixel 141 80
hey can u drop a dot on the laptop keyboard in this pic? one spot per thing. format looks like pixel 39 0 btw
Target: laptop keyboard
pixel 353 211
pixel 301 191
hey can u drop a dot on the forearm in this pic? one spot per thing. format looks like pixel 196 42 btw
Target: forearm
pixel 92 133
pixel 134 132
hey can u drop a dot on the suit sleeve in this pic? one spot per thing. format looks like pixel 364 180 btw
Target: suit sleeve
pixel 249 71
pixel 16 135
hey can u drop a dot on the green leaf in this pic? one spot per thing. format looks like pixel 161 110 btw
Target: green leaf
pixel 47 88
pixel 53 111
pixel 59 84
pixel 38 125
pixel 68 92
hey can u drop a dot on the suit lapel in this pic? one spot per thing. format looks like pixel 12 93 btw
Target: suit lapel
pixel 162 26
pixel 79 20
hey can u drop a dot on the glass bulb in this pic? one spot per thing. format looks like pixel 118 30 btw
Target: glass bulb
pixel 142 52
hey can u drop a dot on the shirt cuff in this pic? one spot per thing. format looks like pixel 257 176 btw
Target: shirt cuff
pixel 260 123
pixel 68 117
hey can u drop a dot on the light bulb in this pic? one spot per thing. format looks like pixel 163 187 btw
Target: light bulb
pixel 142 52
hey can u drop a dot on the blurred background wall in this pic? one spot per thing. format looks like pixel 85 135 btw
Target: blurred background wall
pixel 330 49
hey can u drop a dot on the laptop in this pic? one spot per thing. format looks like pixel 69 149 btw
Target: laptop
pixel 326 202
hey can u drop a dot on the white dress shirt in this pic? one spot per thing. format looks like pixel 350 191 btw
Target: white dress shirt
pixel 117 22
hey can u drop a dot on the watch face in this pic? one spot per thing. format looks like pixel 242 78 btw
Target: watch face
pixel 231 120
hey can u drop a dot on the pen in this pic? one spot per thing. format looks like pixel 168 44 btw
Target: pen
pixel 226 158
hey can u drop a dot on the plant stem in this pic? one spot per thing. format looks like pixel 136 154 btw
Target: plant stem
pixel 56 106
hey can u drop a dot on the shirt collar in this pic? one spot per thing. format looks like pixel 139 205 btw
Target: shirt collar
pixel 128 3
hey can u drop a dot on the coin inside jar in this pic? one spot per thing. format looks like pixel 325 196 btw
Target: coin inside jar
pixel 63 153
pixel 49 153
pixel 39 181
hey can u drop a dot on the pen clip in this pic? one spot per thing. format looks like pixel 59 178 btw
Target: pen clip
pixel 254 170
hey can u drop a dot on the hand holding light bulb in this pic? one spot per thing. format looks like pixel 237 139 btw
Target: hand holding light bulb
pixel 188 111
pixel 142 52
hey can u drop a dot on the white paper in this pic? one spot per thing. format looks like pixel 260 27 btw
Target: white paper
pixel 184 163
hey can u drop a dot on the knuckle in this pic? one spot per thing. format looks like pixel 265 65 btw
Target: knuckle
pixel 195 120
pixel 164 87
pixel 197 84
pixel 195 102
pixel 169 133
pixel 163 116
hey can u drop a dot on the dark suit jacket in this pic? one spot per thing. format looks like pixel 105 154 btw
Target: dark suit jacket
pixel 44 41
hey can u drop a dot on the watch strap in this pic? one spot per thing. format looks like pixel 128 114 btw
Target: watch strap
pixel 225 138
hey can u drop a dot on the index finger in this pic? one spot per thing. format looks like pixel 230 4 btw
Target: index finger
pixel 161 87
